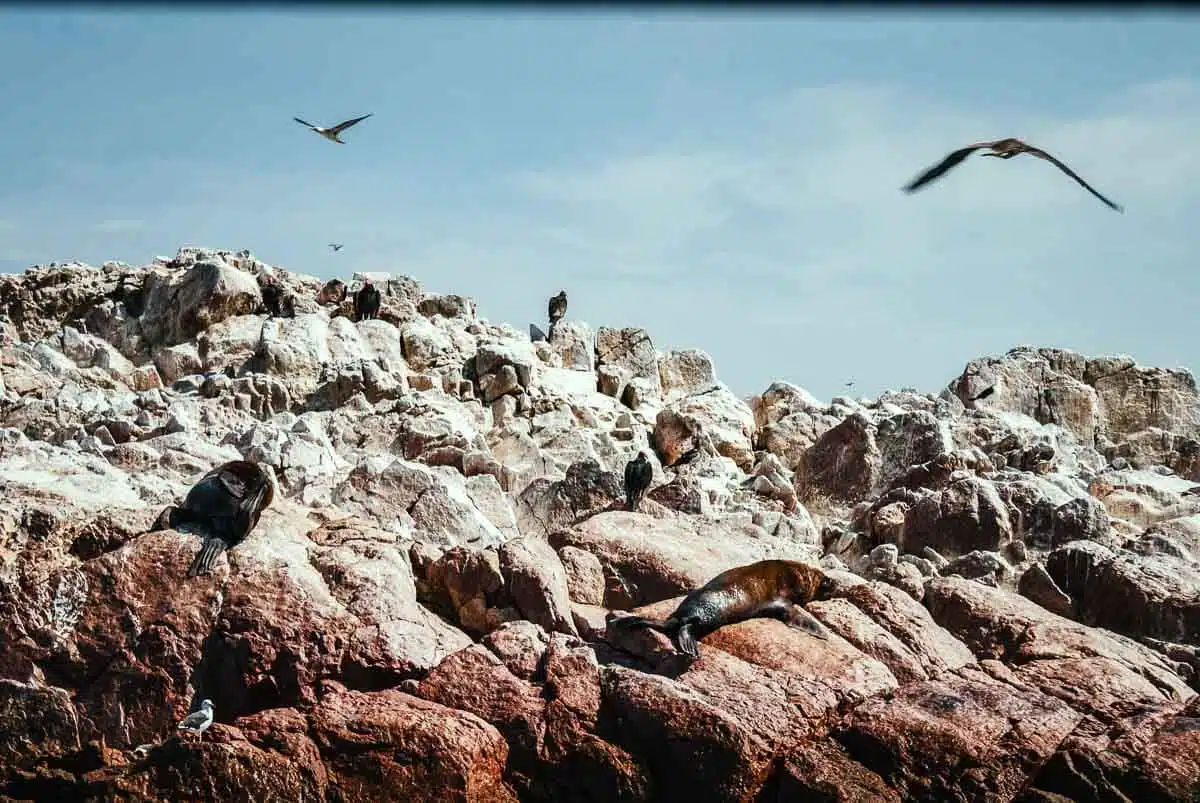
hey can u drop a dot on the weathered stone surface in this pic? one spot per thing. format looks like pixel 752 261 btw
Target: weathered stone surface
pixel 1136 594
pixel 422 613
pixel 982 739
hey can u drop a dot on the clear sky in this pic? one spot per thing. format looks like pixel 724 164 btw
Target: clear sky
pixel 728 181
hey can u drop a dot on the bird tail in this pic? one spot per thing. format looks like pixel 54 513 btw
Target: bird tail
pixel 206 558
pixel 630 501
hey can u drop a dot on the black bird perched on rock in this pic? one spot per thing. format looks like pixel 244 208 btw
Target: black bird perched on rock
pixel 331 134
pixel 1001 149
pixel 225 505
pixel 983 394
pixel 272 294
pixel 558 308
pixel 685 458
pixel 278 302
pixel 366 301
pixel 638 474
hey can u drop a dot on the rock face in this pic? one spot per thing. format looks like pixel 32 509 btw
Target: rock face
pixel 421 613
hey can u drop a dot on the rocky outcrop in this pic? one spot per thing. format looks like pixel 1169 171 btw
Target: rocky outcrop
pixel 422 612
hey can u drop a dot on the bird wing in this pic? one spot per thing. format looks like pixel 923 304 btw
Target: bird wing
pixel 247 515
pixel 340 127
pixel 1041 154
pixel 232 483
pixel 305 122
pixel 944 165
pixel 194 720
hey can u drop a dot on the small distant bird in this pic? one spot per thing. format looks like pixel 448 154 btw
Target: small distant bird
pixel 685 458
pixel 336 246
pixel 558 308
pixel 1001 149
pixel 366 301
pixel 638 474
pixel 198 721
pixel 225 504
pixel 331 134
pixel 983 394
pixel 850 384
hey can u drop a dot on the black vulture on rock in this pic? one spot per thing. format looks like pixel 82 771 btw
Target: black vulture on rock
pixel 638 474
pixel 366 302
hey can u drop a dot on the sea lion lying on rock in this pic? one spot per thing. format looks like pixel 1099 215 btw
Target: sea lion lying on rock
pixel 769 588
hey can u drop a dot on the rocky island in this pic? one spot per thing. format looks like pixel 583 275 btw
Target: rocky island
pixel 421 613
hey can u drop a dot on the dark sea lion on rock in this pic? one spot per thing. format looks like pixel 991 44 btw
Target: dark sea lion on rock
pixel 225 505
pixel 768 589
pixel 638 476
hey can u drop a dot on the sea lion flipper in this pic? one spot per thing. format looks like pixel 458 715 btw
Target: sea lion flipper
pixel 685 642
pixel 801 619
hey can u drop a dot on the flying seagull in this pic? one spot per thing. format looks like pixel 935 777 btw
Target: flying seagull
pixel 331 134
pixel 336 246
pixel 198 721
pixel 1002 149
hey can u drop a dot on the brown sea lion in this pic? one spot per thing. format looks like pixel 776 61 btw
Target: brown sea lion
pixel 769 588
pixel 224 505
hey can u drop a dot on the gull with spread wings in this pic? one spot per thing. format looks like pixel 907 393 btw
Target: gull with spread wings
pixel 331 134
pixel 1002 149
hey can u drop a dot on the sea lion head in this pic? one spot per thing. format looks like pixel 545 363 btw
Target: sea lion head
pixel 826 586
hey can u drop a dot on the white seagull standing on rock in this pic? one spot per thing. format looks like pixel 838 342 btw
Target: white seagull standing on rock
pixel 198 721
pixel 331 134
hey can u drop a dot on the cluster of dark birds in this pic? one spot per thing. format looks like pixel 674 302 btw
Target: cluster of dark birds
pixel 226 503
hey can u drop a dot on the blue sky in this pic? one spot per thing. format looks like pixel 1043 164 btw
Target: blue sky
pixel 728 181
